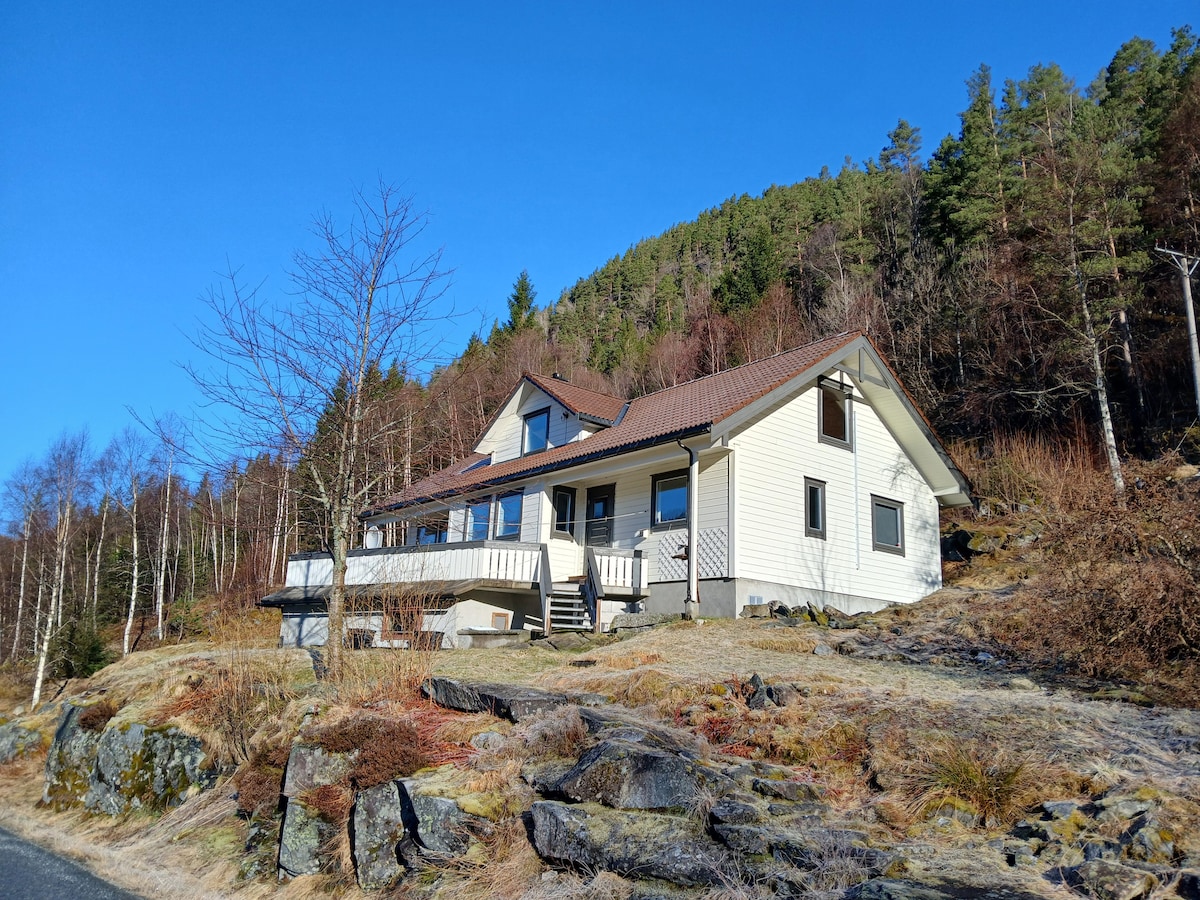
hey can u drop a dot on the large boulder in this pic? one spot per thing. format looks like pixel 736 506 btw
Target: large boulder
pixel 508 701
pixel 627 775
pixel 301 837
pixel 379 828
pixel 640 845
pixel 123 766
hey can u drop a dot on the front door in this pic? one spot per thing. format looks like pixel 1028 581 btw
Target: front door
pixel 598 529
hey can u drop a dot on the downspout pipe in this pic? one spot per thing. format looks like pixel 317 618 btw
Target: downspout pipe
pixel 691 604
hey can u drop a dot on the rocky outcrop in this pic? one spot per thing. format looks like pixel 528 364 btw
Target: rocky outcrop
pixel 639 845
pixel 124 766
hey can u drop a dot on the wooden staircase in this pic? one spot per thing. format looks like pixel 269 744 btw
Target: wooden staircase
pixel 568 608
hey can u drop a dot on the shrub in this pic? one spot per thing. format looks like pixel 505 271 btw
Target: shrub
pixel 1123 589
pixel 260 781
pixel 95 717
pixel 387 748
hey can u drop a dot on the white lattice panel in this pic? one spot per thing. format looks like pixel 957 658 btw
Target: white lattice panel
pixel 713 548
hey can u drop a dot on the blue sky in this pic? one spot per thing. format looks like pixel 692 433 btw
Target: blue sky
pixel 146 145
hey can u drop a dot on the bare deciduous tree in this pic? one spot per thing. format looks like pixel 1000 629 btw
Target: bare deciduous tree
pixel 296 376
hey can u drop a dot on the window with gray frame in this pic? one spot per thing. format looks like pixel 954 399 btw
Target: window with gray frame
pixel 887 525
pixel 536 436
pixel 668 494
pixel 508 516
pixel 814 508
pixel 479 513
pixel 564 510
pixel 833 414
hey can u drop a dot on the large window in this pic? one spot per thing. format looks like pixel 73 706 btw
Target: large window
pixel 537 432
pixel 478 519
pixel 508 516
pixel 834 414
pixel 887 525
pixel 433 530
pixel 814 508
pixel 669 498
pixel 564 510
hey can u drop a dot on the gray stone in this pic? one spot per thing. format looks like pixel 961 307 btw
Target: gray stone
pixel 300 839
pixel 805 847
pixel 895 889
pixel 755 611
pixel 636 621
pixel 796 791
pixel 379 827
pixel 507 701
pixel 124 767
pixel 17 741
pixel 1149 841
pixel 1121 807
pixel 478 639
pixel 736 809
pixel 1059 809
pixel 615 723
pixel 437 822
pixel 823 650
pixel 627 775
pixel 636 845
pixel 310 766
pixel 1111 881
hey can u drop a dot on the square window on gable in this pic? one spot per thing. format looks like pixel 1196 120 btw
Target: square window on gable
pixel 536 435
pixel 833 414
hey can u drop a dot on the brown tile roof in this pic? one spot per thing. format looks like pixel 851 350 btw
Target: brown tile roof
pixel 673 412
pixel 579 400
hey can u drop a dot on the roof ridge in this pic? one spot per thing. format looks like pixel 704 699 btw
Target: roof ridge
pixel 753 362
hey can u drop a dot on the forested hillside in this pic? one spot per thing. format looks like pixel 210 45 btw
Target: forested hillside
pixel 1009 273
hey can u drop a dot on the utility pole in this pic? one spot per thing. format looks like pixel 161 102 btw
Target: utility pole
pixel 1186 266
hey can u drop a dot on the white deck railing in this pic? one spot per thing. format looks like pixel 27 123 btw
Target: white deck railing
pixel 620 570
pixel 468 560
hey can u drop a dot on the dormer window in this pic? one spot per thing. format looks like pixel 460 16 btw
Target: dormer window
pixel 537 432
pixel 834 414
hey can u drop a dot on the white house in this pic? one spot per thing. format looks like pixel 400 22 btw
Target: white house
pixel 806 476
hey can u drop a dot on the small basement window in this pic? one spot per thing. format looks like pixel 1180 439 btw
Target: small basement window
pixel 887 525
pixel 834 414
pixel 814 508
pixel 537 432
pixel 669 498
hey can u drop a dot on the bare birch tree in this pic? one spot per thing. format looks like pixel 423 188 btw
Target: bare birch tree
pixel 295 376
pixel 66 474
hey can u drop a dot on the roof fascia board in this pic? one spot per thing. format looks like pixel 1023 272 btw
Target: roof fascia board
pixel 537 472
pixel 950 481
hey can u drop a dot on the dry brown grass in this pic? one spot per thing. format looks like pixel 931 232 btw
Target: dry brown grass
pixel 997 784
pixel 503 865
pixel 233 699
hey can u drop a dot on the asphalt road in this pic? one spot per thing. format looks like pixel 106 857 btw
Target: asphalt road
pixel 27 872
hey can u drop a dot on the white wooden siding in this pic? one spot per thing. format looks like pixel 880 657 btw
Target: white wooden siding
pixel 504 439
pixel 776 452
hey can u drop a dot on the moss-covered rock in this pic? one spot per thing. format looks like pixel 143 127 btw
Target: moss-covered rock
pixel 125 766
